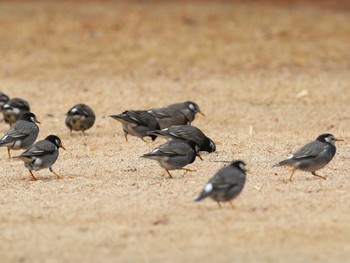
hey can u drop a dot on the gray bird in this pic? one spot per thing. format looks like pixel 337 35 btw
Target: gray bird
pixel 13 110
pixel 226 184
pixel 43 154
pixel 22 134
pixel 137 123
pixel 187 133
pixel 3 99
pixel 176 114
pixel 312 156
pixel 174 155
pixel 80 118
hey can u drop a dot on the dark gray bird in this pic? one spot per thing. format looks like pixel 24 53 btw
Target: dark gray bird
pixel 312 156
pixel 41 155
pixel 137 123
pixel 174 155
pixel 226 184
pixel 3 99
pixel 187 133
pixel 176 114
pixel 13 110
pixel 80 118
pixel 22 134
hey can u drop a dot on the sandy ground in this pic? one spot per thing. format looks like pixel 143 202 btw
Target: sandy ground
pixel 269 78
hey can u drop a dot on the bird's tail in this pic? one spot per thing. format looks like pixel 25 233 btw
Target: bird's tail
pixel 287 162
pixel 201 196
pixel 154 134
pixel 119 117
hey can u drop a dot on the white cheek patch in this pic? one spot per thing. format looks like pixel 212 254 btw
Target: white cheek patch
pixel 242 166
pixel 329 139
pixel 191 106
pixel 32 119
pixel 208 188
pixel 74 110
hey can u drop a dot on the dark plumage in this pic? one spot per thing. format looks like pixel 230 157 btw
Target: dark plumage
pixel 43 154
pixel 3 99
pixel 176 114
pixel 22 134
pixel 13 110
pixel 80 118
pixel 137 123
pixel 226 184
pixel 187 133
pixel 312 156
pixel 174 154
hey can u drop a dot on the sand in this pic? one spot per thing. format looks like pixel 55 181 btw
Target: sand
pixel 269 79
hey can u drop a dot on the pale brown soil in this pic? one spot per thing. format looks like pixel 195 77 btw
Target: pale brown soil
pixel 244 64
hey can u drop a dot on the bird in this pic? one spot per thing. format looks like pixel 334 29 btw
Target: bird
pixel 226 184
pixel 80 118
pixel 312 156
pixel 176 114
pixel 187 133
pixel 41 155
pixel 174 155
pixel 13 110
pixel 3 99
pixel 137 123
pixel 22 134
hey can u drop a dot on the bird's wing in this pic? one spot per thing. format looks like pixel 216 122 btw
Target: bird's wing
pixel 310 150
pixel 225 178
pixel 170 149
pixel 84 111
pixel 19 103
pixel 161 112
pixel 12 135
pixel 39 149
pixel 129 117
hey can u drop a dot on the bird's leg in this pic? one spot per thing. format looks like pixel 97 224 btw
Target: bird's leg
pixel 170 176
pixel 315 174
pixel 219 204
pixel 143 139
pixel 126 136
pixel 58 177
pixel 83 132
pixel 31 173
pixel 8 152
pixel 291 176
pixel 232 205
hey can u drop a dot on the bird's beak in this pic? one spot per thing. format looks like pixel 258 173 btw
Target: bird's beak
pixel 339 139
pixel 199 156
pixel 63 147
pixel 37 121
pixel 201 113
